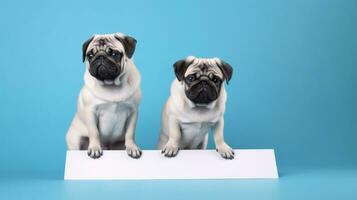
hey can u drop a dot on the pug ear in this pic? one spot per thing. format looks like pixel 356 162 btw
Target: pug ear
pixel 129 44
pixel 226 69
pixel 85 46
pixel 180 68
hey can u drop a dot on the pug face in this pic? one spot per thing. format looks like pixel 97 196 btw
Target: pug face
pixel 202 78
pixel 106 55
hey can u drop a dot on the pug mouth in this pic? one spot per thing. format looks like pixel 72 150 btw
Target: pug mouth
pixel 202 95
pixel 104 70
pixel 108 82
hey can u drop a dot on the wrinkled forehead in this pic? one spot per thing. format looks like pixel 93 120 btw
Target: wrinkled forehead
pixel 204 66
pixel 104 42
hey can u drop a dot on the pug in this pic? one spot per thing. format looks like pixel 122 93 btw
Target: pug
pixel 196 106
pixel 107 108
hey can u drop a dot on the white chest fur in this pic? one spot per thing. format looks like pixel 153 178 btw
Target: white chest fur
pixel 112 120
pixel 194 133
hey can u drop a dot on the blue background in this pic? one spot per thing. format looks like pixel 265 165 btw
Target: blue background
pixel 293 89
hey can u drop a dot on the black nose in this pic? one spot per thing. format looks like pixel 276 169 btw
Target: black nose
pixel 107 72
pixel 100 60
pixel 204 82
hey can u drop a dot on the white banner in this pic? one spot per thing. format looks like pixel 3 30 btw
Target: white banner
pixel 188 164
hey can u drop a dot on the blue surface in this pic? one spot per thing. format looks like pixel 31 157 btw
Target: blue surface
pixel 295 184
pixel 293 89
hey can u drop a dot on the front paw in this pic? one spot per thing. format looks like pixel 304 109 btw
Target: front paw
pixel 170 150
pixel 94 150
pixel 133 150
pixel 225 151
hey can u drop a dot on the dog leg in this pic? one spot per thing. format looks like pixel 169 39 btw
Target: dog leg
pixel 171 148
pixel 221 147
pixel 162 140
pixel 131 148
pixel 94 147
pixel 73 139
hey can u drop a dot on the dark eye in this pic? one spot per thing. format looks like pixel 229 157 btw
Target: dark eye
pixel 112 52
pixel 90 55
pixel 190 78
pixel 215 79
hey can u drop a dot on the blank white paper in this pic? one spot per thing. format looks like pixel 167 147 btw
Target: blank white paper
pixel 188 164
